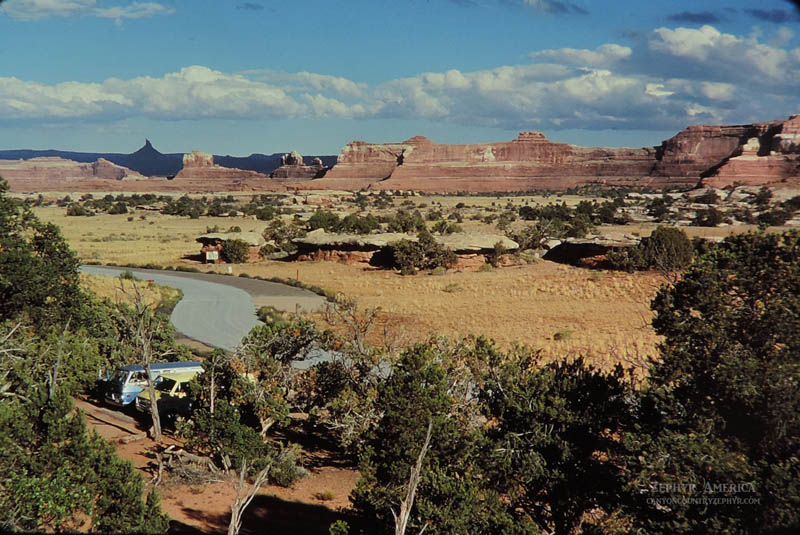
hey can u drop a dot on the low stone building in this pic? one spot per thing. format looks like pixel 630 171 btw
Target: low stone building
pixel 213 244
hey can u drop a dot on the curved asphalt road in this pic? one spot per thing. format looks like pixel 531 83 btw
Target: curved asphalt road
pixel 219 310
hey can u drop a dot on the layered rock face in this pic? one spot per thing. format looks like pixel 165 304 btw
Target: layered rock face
pixel 201 173
pixel 771 153
pixel 531 161
pixel 362 163
pixel 293 169
pixel 45 173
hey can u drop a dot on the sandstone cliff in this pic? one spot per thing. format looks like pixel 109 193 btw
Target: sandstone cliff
pixel 37 173
pixel 770 152
pixel 726 153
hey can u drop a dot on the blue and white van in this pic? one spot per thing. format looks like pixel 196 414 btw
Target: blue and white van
pixel 124 384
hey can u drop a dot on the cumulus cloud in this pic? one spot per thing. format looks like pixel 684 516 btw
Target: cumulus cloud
pixel 309 81
pixel 668 79
pixel 192 93
pixel 602 56
pixel 707 53
pixel 40 9
pixel 136 10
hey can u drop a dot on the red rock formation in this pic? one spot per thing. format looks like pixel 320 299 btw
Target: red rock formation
pixel 199 173
pixel 770 154
pixel 57 173
pixel 533 162
pixel 199 165
pixel 528 162
pixel 293 169
pixel 362 163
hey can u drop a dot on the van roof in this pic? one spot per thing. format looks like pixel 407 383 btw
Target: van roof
pixel 161 366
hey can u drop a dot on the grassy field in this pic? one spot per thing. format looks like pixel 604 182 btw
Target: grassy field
pixel 561 309
pixel 124 291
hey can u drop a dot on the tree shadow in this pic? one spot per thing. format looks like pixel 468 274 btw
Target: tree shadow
pixel 197 257
pixel 179 528
pixel 320 448
pixel 269 514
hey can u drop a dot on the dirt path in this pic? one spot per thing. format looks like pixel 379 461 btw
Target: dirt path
pixel 205 508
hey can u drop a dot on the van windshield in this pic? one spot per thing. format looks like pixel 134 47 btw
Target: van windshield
pixel 120 376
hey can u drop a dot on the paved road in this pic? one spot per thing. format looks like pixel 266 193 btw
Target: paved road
pixel 219 310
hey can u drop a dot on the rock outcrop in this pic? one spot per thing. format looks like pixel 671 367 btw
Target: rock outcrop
pixel 770 153
pixel 200 173
pixel 350 248
pixel 43 173
pixel 533 162
pixel 293 169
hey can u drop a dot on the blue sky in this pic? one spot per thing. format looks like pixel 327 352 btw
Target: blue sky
pixel 237 77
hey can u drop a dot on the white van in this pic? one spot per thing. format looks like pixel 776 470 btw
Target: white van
pixel 127 382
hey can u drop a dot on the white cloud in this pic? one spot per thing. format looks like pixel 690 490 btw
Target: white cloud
pixel 673 78
pixel 41 9
pixel 197 92
pixel 707 52
pixel 136 10
pixel 718 91
pixel 602 56
pixel 308 81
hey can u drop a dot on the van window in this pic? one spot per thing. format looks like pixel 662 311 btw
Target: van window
pixel 165 384
pixel 139 378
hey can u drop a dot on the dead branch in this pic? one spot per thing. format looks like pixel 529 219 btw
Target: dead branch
pixel 244 496
pixel 401 518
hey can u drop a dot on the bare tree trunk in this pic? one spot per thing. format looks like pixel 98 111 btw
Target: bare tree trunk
pixel 244 496
pixel 153 403
pixel 401 518
pixel 213 373
pixel 54 371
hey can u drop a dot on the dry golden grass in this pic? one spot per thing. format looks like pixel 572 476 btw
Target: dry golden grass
pixel 159 238
pixel 122 291
pixel 560 309
pixel 603 316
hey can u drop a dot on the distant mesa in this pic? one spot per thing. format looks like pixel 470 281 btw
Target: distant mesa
pixel 37 173
pixel 717 156
pixel 700 155
pixel 148 161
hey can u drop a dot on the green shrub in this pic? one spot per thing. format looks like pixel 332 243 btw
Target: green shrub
pixel 128 275
pixel 425 253
pixel 708 218
pixel 355 224
pixel 118 208
pixel 76 209
pixel 235 251
pixel 497 252
pixel 667 249
pixel 323 219
pixel 563 334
